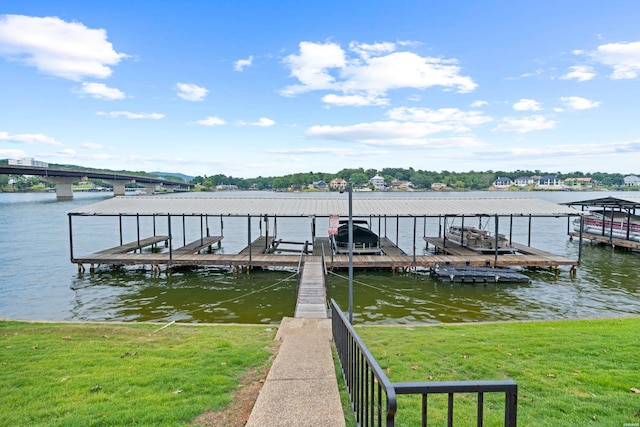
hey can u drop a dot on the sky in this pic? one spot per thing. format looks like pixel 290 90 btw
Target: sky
pixel 268 88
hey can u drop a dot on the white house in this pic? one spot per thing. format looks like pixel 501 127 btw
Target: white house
pixel 502 182
pixel 523 181
pixel 338 184
pixel 550 182
pixel 631 181
pixel 378 183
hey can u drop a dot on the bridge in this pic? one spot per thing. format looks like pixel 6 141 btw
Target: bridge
pixel 65 178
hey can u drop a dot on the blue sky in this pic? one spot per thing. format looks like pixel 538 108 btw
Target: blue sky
pixel 257 88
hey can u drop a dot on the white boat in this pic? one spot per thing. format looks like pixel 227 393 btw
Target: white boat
pixel 478 240
pixel 622 226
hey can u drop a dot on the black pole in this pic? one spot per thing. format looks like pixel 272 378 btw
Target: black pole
pixel 170 241
pixel 511 230
pixel 495 262
pixel 184 233
pixel 70 238
pixel 350 229
pixel 414 239
pixel 249 237
pixel 580 242
pixel 397 229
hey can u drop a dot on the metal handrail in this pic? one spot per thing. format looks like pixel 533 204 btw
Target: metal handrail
pixel 357 362
pixel 366 382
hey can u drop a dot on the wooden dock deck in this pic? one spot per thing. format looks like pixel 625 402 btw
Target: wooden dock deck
pixel 198 245
pixel 606 240
pixel 135 245
pixel 392 257
pixel 312 294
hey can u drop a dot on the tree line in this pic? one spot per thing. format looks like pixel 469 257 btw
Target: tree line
pixel 419 178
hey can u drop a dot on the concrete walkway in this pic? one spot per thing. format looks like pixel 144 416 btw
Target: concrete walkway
pixel 301 388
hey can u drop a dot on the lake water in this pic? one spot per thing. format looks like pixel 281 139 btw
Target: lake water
pixel 37 280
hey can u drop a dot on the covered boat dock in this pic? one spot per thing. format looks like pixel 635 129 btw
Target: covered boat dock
pixel 157 217
pixel 611 221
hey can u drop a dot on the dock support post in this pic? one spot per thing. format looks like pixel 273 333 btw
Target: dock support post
pixel 170 243
pixel 611 228
pixel 184 232
pixel 414 241
pixel 510 229
pixel 495 262
pixel 249 237
pixel 70 238
pixel 580 241
pixel 201 230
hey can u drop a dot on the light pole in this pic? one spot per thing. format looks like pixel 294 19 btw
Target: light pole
pixel 350 241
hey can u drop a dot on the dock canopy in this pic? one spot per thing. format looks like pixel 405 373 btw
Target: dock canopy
pixel 609 203
pixel 303 206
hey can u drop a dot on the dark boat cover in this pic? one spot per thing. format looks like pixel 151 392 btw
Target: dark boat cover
pixel 361 236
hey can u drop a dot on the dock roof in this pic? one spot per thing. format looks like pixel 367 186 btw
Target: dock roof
pixel 304 206
pixel 627 202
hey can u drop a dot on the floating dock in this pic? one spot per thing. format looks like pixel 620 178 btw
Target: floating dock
pixel 477 275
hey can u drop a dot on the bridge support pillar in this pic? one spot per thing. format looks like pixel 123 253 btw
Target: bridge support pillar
pixel 118 186
pixel 64 186
pixel 149 188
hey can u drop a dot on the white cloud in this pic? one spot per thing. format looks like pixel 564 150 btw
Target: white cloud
pixel 478 104
pixel 63 49
pixel 240 64
pixel 211 121
pixel 12 154
pixel 368 50
pixel 581 151
pixel 311 67
pixel 410 127
pixel 368 71
pixel 92 145
pixel 451 119
pixel 527 105
pixel 100 91
pixel 526 124
pixel 624 58
pixel 332 151
pixel 29 138
pixel 262 122
pixel 577 103
pixel 129 115
pixel 353 100
pixel 191 92
pixel 581 73
pixel 392 134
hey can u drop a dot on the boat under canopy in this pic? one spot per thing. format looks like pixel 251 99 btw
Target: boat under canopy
pixel 365 241
pixel 609 220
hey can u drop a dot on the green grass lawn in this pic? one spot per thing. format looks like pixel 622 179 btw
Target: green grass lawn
pixel 107 375
pixel 569 373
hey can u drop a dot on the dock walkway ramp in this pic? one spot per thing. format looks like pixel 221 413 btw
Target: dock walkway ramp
pixel 312 294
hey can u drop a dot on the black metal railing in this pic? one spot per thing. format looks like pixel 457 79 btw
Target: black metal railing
pixel 374 397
